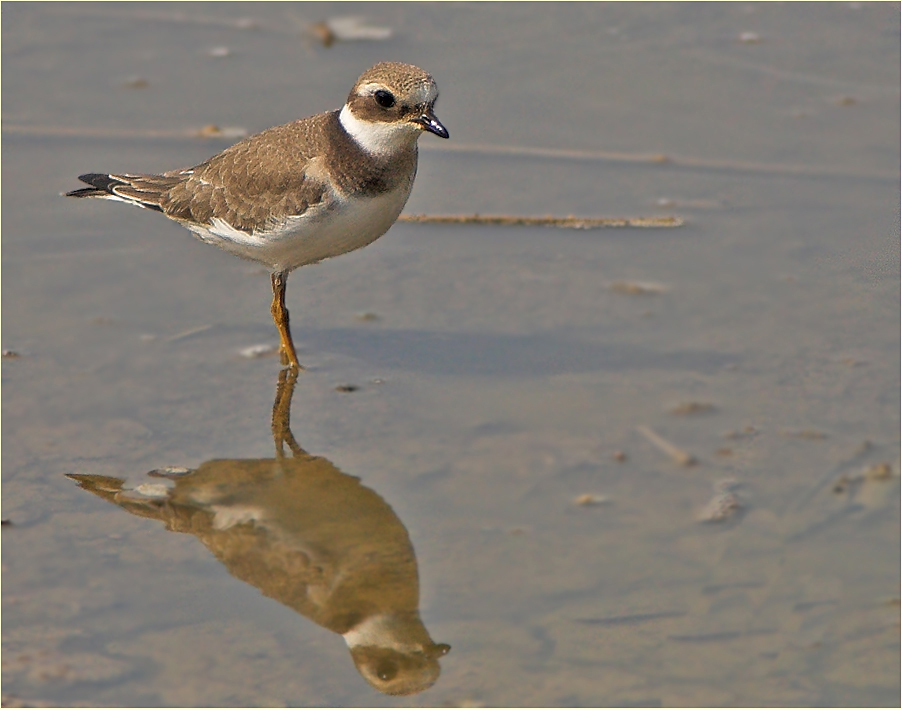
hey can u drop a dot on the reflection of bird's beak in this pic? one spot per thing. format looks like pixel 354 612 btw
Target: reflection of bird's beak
pixel 437 650
pixel 429 122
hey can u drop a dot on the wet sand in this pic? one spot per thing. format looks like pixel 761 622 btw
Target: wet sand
pixel 488 384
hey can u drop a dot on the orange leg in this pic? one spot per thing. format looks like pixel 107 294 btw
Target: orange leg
pixel 280 317
pixel 281 414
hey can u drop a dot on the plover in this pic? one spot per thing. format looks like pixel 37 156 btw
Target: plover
pixel 302 192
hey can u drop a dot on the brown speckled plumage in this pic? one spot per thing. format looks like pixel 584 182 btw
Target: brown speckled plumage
pixel 304 191
pixel 265 177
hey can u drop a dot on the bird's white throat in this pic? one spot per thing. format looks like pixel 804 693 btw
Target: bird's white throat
pixel 382 630
pixel 381 139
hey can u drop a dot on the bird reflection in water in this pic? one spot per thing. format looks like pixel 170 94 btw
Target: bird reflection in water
pixel 307 535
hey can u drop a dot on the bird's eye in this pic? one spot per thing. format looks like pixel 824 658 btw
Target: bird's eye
pixel 387 670
pixel 384 98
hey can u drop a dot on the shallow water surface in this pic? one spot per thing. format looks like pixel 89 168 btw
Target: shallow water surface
pixel 467 462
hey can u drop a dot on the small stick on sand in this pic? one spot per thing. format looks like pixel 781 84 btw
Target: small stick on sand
pixel 188 333
pixel 560 222
pixel 679 456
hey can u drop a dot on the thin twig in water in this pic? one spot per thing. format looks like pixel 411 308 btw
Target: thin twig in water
pixel 679 456
pixel 188 333
pixel 561 222
pixel 209 131
pixel 677 161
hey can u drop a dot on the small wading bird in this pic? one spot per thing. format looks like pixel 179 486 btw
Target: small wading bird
pixel 302 192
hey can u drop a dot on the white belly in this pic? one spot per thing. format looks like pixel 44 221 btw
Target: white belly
pixel 345 225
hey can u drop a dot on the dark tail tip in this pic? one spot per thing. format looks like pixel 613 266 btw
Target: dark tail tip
pixel 100 185
pixel 100 181
pixel 106 186
pixel 85 192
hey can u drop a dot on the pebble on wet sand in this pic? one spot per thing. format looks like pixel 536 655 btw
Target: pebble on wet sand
pixel 723 505
pixel 590 500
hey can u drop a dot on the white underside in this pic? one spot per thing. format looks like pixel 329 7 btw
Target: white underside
pixel 343 225
pixel 227 516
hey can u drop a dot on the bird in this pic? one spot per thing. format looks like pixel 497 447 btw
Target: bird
pixel 301 192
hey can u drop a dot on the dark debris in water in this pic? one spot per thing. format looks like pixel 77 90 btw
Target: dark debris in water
pixel 691 408
pixel 806 434
pixel 633 619
pixel 876 472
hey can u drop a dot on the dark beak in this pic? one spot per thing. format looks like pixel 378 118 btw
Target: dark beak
pixel 431 123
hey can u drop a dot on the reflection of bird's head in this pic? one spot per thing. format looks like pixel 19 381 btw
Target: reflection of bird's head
pixel 399 672
pixel 394 653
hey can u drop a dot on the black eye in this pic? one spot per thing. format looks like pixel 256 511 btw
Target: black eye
pixel 384 98
pixel 386 670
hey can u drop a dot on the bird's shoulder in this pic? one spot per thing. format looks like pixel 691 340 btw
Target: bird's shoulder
pixel 272 175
